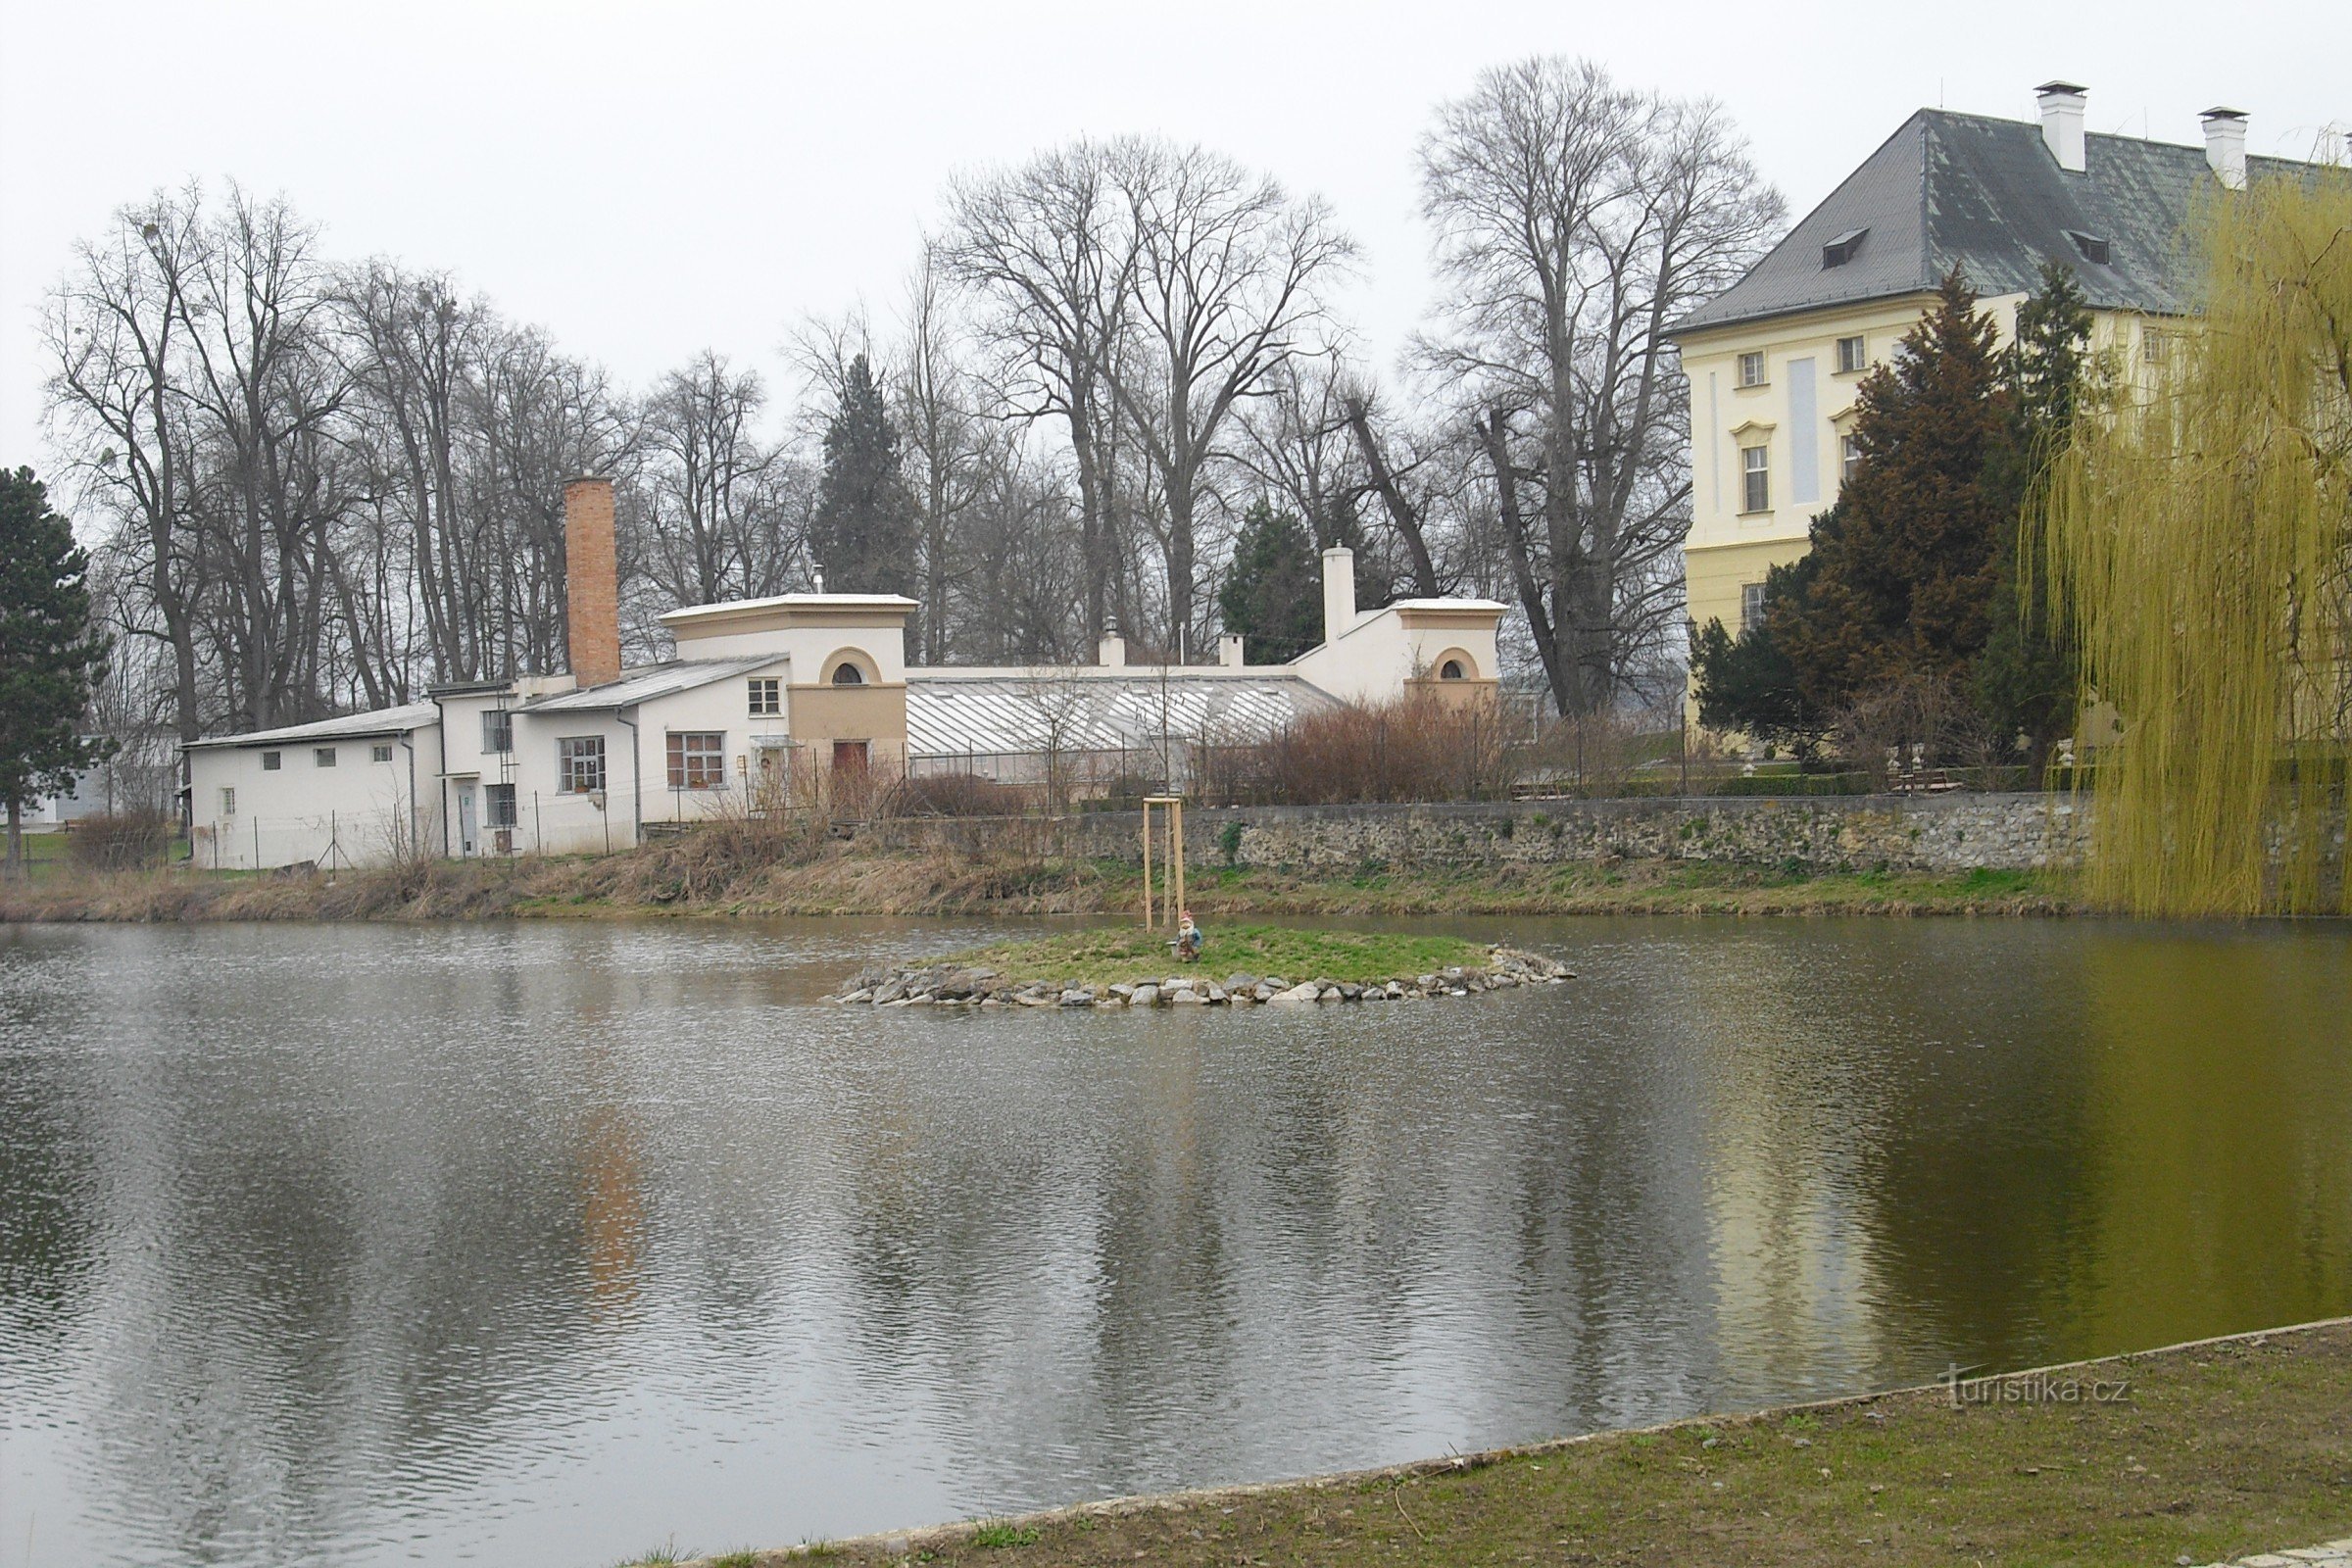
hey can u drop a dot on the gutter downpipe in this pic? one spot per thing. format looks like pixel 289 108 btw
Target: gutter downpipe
pixel 636 778
pixel 407 744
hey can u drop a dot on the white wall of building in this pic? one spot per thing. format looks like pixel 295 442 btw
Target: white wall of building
pixel 247 815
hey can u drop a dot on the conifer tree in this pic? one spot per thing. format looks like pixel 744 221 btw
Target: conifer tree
pixel 1272 594
pixel 2026 679
pixel 49 657
pixel 1907 557
pixel 864 534
pixel 1747 683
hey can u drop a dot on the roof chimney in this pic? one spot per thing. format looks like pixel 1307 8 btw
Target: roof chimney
pixel 1229 650
pixel 2062 123
pixel 1339 592
pixel 1111 652
pixel 591 582
pixel 2225 145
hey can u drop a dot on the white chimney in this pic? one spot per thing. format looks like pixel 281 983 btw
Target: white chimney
pixel 1111 652
pixel 1229 650
pixel 2226 146
pixel 1339 592
pixel 2062 123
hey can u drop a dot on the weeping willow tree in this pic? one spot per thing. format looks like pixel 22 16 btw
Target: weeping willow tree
pixel 2198 536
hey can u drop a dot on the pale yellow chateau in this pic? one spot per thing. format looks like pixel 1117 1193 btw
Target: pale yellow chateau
pixel 1774 361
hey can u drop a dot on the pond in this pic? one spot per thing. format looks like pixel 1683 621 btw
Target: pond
pixel 549 1244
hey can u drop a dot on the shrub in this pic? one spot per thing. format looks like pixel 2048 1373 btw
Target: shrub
pixel 1418 749
pixel 126 842
pixel 952 795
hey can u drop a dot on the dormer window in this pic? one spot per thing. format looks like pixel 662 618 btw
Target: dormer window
pixel 2093 248
pixel 1842 249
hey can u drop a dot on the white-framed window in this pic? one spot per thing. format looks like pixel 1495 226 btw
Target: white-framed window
pixel 228 802
pixel 580 763
pixel 500 799
pixel 498 730
pixel 323 755
pixel 2152 346
pixel 1752 369
pixel 698 759
pixel 766 696
pixel 272 761
pixel 1755 479
pixel 1853 354
pixel 1752 605
pixel 1849 458
pixel 380 751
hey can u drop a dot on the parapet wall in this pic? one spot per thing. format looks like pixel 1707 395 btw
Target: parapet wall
pixel 1957 832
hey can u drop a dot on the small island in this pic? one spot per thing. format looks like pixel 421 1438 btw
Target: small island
pixel 1241 966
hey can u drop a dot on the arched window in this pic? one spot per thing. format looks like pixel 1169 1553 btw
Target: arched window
pixel 846 674
pixel 1452 669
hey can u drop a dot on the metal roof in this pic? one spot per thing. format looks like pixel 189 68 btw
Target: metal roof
pixel 1015 714
pixel 658 681
pixel 377 721
pixel 1985 194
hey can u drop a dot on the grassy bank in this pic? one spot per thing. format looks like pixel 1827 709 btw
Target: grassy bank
pixel 1099 959
pixel 708 874
pixel 2216 1451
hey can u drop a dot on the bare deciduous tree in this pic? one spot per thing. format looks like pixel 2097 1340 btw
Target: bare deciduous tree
pixel 1576 221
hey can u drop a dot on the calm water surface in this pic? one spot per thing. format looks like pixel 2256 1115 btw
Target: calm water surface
pixel 549 1244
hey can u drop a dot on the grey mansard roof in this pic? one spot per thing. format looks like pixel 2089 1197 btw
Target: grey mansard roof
pixel 1987 194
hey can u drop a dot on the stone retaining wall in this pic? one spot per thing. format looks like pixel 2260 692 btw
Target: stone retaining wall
pixel 1956 832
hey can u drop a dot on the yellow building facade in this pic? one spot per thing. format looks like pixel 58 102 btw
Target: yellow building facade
pixel 1774 363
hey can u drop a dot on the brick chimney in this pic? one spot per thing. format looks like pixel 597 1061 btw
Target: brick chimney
pixel 591 581
pixel 2062 105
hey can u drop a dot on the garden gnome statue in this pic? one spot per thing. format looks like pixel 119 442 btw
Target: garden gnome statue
pixel 1187 938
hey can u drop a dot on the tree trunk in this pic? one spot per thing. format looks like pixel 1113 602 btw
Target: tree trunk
pixel 1401 512
pixel 16 840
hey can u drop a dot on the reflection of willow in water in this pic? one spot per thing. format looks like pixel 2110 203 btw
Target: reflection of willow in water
pixel 2225 1180
pixel 613 1211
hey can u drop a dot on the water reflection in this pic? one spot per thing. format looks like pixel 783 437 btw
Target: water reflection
pixel 543 1245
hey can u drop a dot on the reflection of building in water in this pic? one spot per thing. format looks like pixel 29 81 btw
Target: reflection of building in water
pixel 613 1211
pixel 1797 1293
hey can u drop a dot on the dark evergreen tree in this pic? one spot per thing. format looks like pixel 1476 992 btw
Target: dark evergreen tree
pixel 1747 683
pixel 1907 557
pixel 2026 679
pixel 1273 594
pixel 49 655
pixel 864 534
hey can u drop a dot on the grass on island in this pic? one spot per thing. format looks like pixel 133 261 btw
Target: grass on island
pixel 1111 955
pixel 2216 1452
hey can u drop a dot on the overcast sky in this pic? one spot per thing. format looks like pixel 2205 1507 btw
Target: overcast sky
pixel 650 180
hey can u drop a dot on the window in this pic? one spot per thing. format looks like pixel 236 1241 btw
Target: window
pixel 380 751
pixel 1755 474
pixel 767 696
pixel 580 763
pixel 2093 248
pixel 498 730
pixel 1751 605
pixel 501 800
pixel 1849 458
pixel 1842 249
pixel 698 760
pixel 1751 370
pixel 1452 669
pixel 2152 346
pixel 228 803
pixel 1853 354
pixel 846 674
pixel 272 761
pixel 323 755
